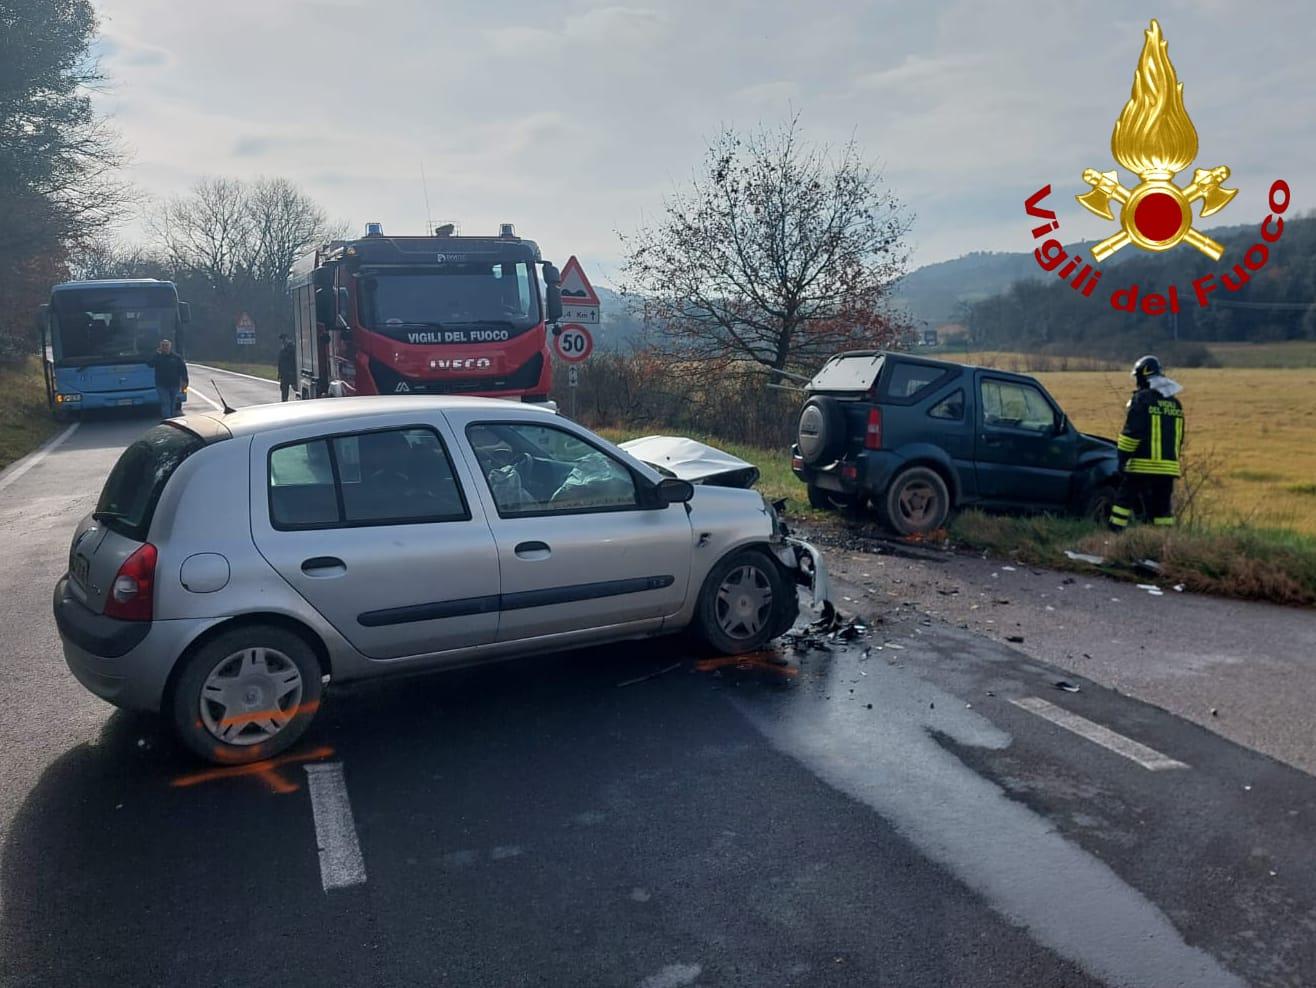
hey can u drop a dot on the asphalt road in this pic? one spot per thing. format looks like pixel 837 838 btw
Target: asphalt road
pixel 916 806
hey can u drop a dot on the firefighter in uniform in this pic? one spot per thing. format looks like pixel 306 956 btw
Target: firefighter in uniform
pixel 1149 448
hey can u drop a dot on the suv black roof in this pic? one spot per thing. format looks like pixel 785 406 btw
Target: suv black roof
pixel 913 358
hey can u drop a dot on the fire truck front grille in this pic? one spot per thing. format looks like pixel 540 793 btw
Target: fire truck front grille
pixel 389 381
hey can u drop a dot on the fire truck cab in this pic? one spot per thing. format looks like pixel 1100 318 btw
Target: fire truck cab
pixel 445 314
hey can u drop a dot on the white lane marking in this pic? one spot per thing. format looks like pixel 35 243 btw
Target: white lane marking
pixel 341 863
pixel 1148 758
pixel 17 469
pixel 249 377
pixel 191 392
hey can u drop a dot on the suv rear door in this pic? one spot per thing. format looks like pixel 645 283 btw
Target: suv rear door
pixel 374 528
pixel 1025 453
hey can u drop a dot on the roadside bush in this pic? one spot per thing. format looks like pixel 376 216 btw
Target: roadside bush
pixel 644 390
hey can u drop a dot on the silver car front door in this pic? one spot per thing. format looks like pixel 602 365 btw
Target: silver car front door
pixel 578 546
pixel 376 531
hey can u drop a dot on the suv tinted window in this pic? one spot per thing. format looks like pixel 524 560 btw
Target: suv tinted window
pixel 843 373
pixel 396 476
pixel 951 407
pixel 905 380
pixel 536 469
pixel 133 489
pixel 1014 405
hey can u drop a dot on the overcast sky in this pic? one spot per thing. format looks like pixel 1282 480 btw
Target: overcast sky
pixel 574 119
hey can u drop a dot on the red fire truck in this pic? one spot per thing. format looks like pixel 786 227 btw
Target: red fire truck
pixel 425 315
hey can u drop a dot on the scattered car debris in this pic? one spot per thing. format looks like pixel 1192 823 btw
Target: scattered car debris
pixel 1007 569
pixel 1068 687
pixel 1084 557
pixel 1152 589
pixel 1178 588
pixel 1148 565
pixel 1017 639
pixel 1215 712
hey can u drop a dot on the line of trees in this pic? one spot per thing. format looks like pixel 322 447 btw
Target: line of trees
pixel 59 163
pixel 229 245
pixel 1274 305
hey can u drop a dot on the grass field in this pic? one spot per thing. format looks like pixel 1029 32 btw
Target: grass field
pixel 25 420
pixel 1251 435
pixel 1301 353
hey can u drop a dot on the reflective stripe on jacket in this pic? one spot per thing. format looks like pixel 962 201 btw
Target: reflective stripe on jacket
pixel 1153 434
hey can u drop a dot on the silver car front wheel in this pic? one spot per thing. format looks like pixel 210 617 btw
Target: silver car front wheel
pixel 743 602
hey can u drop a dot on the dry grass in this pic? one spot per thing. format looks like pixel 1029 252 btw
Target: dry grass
pixel 1256 426
pixel 25 420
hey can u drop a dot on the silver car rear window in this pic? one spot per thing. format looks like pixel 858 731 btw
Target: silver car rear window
pixel 133 489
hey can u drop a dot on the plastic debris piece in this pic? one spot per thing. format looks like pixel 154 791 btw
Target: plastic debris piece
pixel 1084 557
pixel 1215 712
pixel 1007 569
pixel 1247 788
pixel 892 645
pixel 1068 687
pixel 1178 588
pixel 1150 565
pixel 1017 639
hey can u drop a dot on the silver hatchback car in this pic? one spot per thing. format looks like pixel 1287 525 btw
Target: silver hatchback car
pixel 235 563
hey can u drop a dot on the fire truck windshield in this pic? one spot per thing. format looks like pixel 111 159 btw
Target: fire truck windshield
pixel 449 303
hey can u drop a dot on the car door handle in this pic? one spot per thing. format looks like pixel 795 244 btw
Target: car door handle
pixel 323 567
pixel 533 550
pixel 992 440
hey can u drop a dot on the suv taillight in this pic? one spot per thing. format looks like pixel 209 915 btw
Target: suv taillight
pixel 873 434
pixel 132 594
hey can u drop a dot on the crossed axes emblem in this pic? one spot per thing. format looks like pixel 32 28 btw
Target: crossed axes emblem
pixel 1157 214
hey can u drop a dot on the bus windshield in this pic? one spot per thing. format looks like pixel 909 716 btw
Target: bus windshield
pixel 415 304
pixel 111 324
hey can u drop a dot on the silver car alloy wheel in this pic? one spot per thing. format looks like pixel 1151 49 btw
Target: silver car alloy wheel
pixel 744 602
pixel 250 696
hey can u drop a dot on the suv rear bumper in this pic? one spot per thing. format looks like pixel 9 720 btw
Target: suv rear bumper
pixel 868 472
pixel 124 662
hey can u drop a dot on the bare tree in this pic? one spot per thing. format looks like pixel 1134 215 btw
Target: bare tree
pixel 284 223
pixel 208 231
pixel 778 253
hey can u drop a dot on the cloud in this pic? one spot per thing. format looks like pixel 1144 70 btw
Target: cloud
pixel 610 27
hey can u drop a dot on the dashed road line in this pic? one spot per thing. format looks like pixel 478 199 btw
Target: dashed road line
pixel 1148 758
pixel 194 392
pixel 341 864
pixel 22 466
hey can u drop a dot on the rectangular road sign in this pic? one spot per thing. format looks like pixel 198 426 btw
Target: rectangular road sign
pixel 575 312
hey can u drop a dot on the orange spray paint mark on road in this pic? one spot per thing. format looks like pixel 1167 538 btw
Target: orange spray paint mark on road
pixel 266 771
pixel 766 661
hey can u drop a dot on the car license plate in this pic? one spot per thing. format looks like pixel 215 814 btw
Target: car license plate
pixel 80 568
pixel 126 401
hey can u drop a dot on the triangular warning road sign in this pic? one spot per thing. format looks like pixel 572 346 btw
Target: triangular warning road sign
pixel 575 286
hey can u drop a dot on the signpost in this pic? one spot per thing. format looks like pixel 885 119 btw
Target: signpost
pixel 246 330
pixel 573 341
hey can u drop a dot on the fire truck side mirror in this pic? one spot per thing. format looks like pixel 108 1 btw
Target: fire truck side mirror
pixel 553 292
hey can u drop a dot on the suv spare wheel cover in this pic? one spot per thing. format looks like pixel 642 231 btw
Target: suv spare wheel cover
pixel 818 432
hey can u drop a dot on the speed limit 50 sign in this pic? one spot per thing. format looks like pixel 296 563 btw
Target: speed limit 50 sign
pixel 574 343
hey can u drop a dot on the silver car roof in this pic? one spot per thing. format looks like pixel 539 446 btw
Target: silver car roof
pixel 259 418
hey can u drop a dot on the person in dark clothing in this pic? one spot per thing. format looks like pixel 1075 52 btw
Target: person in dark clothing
pixel 1149 448
pixel 170 378
pixel 287 367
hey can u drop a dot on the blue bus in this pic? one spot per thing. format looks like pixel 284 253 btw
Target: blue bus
pixel 96 337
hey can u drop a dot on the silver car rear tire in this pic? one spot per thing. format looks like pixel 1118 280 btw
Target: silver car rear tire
pixel 246 694
pixel 743 603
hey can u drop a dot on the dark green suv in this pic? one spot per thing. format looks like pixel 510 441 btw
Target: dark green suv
pixel 918 437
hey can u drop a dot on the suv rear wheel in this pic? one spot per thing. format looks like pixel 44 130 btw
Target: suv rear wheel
pixel 247 694
pixel 916 501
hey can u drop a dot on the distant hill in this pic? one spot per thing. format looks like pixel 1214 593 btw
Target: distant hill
pixel 936 294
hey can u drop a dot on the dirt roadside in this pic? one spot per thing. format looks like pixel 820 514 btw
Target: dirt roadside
pixel 1242 669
